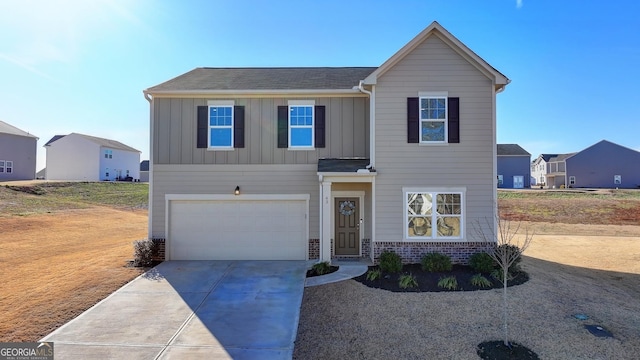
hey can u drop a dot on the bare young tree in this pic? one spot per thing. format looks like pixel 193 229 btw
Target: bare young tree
pixel 509 246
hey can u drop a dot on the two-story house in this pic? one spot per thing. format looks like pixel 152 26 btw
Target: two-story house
pixel 318 163
pixel 17 153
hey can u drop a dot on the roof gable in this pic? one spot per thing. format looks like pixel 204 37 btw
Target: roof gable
pixel 12 130
pixel 435 29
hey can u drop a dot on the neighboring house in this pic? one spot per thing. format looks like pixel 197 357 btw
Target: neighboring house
pixel 514 167
pixel 144 171
pixel 602 165
pixel 539 168
pixel 89 158
pixel 318 163
pixel 17 153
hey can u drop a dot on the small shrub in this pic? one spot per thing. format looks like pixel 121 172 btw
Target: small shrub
pixel 436 262
pixel 373 274
pixel 390 262
pixel 482 262
pixel 143 251
pixel 407 281
pixel 449 283
pixel 480 281
pixel 321 268
pixel 510 249
pixel 498 275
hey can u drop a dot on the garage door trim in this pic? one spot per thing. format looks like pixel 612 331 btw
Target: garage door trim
pixel 229 197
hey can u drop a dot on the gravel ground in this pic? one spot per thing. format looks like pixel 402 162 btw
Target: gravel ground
pixel 348 320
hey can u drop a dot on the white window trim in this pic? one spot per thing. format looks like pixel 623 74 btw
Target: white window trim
pixel 463 211
pixel 617 179
pixel 500 180
pixel 432 95
pixel 312 104
pixel 572 180
pixel 8 164
pixel 220 103
pixel 3 166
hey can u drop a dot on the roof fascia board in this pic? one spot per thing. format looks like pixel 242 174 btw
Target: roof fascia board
pixel 435 28
pixel 258 93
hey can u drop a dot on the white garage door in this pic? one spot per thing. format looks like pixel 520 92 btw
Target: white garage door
pixel 250 229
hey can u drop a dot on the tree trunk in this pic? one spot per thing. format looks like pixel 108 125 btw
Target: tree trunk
pixel 504 314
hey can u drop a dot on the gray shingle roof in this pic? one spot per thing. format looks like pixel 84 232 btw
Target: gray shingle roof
pixel 511 150
pixel 342 165
pixel 144 165
pixel 100 141
pixel 561 157
pixel 277 78
pixel 10 129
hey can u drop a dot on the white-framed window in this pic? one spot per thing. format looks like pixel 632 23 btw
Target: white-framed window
pixel 8 166
pixel 2 166
pixel 433 118
pixel 433 214
pixel 617 179
pixel 572 180
pixel 500 180
pixel 108 154
pixel 301 124
pixel 220 126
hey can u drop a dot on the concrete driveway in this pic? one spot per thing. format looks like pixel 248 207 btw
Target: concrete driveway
pixel 193 310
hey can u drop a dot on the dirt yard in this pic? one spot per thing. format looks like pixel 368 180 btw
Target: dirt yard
pixel 55 266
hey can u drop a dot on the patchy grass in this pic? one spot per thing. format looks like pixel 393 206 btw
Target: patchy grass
pixel 48 197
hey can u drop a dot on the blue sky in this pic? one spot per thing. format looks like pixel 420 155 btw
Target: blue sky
pixel 80 66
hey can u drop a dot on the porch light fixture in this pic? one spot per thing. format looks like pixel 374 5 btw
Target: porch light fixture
pixel 237 191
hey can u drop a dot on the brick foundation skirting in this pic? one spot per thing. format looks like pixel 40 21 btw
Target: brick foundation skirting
pixel 412 252
pixel 314 249
pixel 159 253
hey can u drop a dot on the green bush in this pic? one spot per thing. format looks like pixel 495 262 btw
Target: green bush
pixel 482 262
pixel 512 249
pixel 449 283
pixel 480 281
pixel 321 268
pixel 436 262
pixel 390 262
pixel 498 275
pixel 407 281
pixel 373 274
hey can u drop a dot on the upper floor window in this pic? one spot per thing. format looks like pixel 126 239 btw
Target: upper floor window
pixel 108 154
pixel 433 214
pixel 301 125
pixel 433 119
pixel 220 126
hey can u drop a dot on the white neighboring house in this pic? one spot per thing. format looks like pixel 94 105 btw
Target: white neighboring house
pixel 89 158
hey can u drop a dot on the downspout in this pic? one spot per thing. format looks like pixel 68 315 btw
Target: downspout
pixel 151 130
pixel 372 124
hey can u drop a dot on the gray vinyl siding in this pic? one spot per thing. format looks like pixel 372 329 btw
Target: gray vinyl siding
pixel 510 166
pixel 21 150
pixel 223 179
pixel 433 66
pixel 174 137
pixel 597 165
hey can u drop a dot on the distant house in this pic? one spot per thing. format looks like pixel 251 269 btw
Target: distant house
pixel 514 169
pixel 89 158
pixel 602 165
pixel 539 169
pixel 144 171
pixel 17 153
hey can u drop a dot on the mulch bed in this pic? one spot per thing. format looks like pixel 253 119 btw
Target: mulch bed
pixel 428 282
pixel 312 273
pixel 496 350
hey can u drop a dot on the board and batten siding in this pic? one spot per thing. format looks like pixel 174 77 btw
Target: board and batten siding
pixel 436 67
pixel 223 179
pixel 175 127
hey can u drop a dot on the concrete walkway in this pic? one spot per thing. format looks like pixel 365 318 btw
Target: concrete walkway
pixel 193 310
pixel 346 270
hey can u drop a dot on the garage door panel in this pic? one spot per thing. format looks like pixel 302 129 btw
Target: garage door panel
pixel 237 230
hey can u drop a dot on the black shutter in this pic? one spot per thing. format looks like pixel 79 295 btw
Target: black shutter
pixel 413 120
pixel 238 126
pixel 319 126
pixel 203 114
pixel 453 117
pixel 283 128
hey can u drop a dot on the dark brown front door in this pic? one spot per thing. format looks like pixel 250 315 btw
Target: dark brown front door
pixel 347 219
